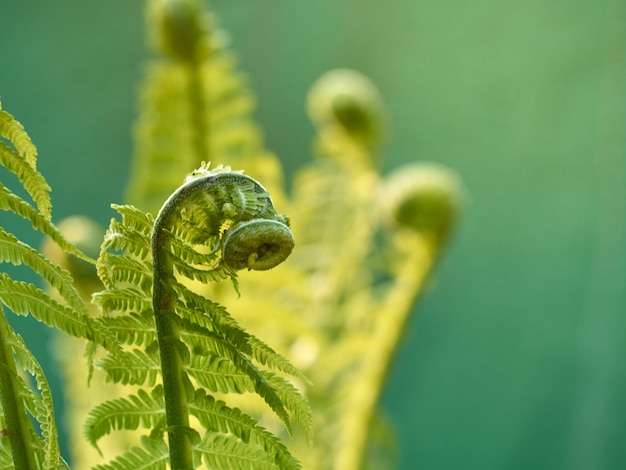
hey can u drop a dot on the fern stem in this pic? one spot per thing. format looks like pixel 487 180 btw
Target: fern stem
pixel 168 337
pixel 16 421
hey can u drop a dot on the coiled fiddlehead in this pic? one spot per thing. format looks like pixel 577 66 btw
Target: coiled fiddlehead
pixel 246 230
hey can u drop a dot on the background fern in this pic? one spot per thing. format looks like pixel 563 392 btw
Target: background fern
pixel 195 107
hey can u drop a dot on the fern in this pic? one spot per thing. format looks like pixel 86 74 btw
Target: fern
pixel 366 244
pixel 201 347
pixel 31 447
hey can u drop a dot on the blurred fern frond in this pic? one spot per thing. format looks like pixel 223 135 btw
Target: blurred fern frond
pixel 194 107
pixel 366 245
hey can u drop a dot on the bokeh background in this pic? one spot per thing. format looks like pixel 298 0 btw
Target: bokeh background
pixel 515 360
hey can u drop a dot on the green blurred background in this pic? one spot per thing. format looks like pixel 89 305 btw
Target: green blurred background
pixel 514 361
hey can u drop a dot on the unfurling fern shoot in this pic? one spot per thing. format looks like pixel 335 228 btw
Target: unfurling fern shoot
pixel 216 223
pixel 213 191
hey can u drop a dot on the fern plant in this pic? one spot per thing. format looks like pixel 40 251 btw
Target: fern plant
pixel 218 222
pixel 156 333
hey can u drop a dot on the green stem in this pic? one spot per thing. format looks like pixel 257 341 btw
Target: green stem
pixel 16 421
pixel 164 303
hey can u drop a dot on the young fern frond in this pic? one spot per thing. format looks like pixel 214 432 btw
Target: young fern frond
pixel 201 348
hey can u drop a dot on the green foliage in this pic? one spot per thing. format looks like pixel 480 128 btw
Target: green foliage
pixel 30 447
pixel 188 238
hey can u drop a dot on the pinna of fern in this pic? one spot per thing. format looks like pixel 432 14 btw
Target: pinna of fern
pixel 182 347
pixel 29 447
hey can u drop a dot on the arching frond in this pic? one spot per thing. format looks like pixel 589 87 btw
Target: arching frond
pixel 66 311
pixel 43 408
pixel 24 298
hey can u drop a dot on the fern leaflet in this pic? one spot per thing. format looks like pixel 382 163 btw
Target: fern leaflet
pixel 145 409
